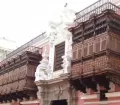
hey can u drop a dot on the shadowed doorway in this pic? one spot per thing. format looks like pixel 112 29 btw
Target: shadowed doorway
pixel 59 102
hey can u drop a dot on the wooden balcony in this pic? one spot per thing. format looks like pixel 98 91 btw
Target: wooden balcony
pixel 96 51
pixel 96 56
pixel 17 76
pixel 97 66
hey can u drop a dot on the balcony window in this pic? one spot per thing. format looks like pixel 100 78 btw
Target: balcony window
pixel 91 48
pixel 79 50
pixel 85 49
pixel 103 44
pixel 59 52
pixel 98 45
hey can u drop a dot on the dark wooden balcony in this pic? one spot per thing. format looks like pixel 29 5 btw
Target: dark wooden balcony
pixel 17 75
pixel 86 52
pixel 96 51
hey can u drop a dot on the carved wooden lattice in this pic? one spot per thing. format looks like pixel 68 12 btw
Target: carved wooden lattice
pixel 14 86
pixel 90 46
pixel 79 50
pixel 85 49
pixel 8 89
pixel 10 76
pixel 114 62
pixel 15 74
pixel 115 42
pixel 74 51
pixel 23 72
pixel 101 63
pixel 103 43
pixel 88 66
pixel 21 84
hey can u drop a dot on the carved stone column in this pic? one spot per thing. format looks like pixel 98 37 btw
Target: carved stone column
pixel 73 97
pixel 42 94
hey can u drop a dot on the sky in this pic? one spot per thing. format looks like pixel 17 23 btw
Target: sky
pixel 22 20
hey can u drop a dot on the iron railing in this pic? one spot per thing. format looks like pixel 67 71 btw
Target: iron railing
pixel 30 43
pixel 33 49
pixel 95 9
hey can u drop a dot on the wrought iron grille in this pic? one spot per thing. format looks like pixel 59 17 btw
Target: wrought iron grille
pixel 97 8
pixel 33 49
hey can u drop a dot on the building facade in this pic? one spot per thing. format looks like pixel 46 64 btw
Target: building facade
pixel 72 63
pixel 17 73
pixel 52 75
pixel 95 63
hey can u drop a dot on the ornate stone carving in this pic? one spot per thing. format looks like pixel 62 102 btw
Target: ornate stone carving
pixel 39 92
pixel 41 71
pixel 58 90
pixel 58 30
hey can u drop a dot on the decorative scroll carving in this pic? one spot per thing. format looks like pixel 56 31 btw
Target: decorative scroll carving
pixel 8 89
pixel 42 72
pixel 22 72
pixel 21 84
pixel 14 86
pixel 3 90
pixel 10 76
pixel 6 78
pixel 13 82
pixel 15 74
pixel 57 33
pixel 98 64
pixel 58 90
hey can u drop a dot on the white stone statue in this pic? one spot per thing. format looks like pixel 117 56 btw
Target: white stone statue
pixel 56 31
pixel 41 72
pixel 68 17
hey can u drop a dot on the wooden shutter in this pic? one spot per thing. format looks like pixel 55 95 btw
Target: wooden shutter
pixel 59 52
pixel 79 50
pixel 74 52
pixel 103 43
pixel 91 48
pixel 98 45
pixel 85 49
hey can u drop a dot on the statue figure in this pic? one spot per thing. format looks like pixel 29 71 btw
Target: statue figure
pixel 41 73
